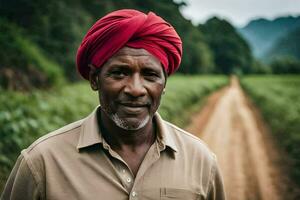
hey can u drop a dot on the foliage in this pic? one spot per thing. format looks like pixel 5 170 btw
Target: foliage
pixel 278 98
pixel 260 68
pixel 22 62
pixel 285 65
pixel 57 27
pixel 231 52
pixel 197 55
pixel 25 117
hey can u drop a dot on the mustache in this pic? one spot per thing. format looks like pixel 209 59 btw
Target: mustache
pixel 134 103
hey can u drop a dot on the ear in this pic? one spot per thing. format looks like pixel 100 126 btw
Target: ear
pixel 93 77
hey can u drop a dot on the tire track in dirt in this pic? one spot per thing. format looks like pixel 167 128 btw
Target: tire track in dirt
pixel 229 126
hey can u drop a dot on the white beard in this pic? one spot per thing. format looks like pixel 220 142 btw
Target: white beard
pixel 125 124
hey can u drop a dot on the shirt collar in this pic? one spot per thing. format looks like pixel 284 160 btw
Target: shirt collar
pixel 90 132
pixel 165 137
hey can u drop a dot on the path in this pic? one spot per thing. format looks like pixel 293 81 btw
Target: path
pixel 246 153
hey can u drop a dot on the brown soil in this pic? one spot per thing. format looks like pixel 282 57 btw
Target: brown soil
pixel 252 166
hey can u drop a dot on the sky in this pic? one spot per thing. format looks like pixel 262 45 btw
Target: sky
pixel 239 12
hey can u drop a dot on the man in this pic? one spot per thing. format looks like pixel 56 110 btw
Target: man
pixel 123 150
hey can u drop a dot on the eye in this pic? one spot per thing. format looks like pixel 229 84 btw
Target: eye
pixel 117 73
pixel 151 75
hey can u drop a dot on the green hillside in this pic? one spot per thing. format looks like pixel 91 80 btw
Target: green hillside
pixel 19 56
pixel 288 45
pixel 53 31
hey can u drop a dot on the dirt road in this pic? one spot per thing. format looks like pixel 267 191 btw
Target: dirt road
pixel 249 160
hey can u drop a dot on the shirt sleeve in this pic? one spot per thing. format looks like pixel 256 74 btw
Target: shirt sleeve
pixel 21 184
pixel 216 191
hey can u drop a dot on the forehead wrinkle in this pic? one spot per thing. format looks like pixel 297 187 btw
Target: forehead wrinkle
pixel 129 54
pixel 122 60
pixel 135 59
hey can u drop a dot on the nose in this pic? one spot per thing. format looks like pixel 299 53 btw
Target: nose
pixel 135 86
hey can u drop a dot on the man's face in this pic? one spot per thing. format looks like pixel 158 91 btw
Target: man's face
pixel 130 84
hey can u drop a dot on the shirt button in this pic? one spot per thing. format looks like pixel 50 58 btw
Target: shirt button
pixel 128 180
pixel 134 194
pixel 123 170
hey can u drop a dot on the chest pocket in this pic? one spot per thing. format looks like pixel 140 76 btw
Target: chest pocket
pixel 182 194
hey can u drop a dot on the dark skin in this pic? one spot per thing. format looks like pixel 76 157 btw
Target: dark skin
pixel 131 84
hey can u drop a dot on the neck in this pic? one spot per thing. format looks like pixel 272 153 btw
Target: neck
pixel 119 138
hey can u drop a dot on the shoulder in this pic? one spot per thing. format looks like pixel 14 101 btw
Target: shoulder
pixel 33 160
pixel 189 143
pixel 186 136
pixel 64 137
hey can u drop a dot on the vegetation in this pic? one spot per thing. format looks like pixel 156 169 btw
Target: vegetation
pixel 25 117
pixel 278 98
pixel 279 65
pixel 288 45
pixel 54 30
pixel 21 56
pixel 231 52
pixel 285 65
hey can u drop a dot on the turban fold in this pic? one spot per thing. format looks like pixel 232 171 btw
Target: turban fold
pixel 130 28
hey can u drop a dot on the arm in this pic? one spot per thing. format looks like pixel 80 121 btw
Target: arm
pixel 216 188
pixel 21 184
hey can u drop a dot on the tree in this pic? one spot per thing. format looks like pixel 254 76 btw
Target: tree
pixel 285 65
pixel 231 51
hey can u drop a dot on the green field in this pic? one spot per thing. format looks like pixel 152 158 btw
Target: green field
pixel 278 98
pixel 26 116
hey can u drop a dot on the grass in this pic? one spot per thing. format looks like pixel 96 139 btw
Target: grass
pixel 278 98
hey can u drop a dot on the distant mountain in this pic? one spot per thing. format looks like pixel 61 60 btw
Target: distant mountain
pixel 262 34
pixel 287 45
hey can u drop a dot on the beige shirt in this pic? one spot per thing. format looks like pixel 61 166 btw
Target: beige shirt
pixel 75 162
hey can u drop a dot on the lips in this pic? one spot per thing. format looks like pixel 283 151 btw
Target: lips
pixel 129 104
pixel 133 108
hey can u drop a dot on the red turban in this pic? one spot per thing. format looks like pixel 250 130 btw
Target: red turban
pixel 130 28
